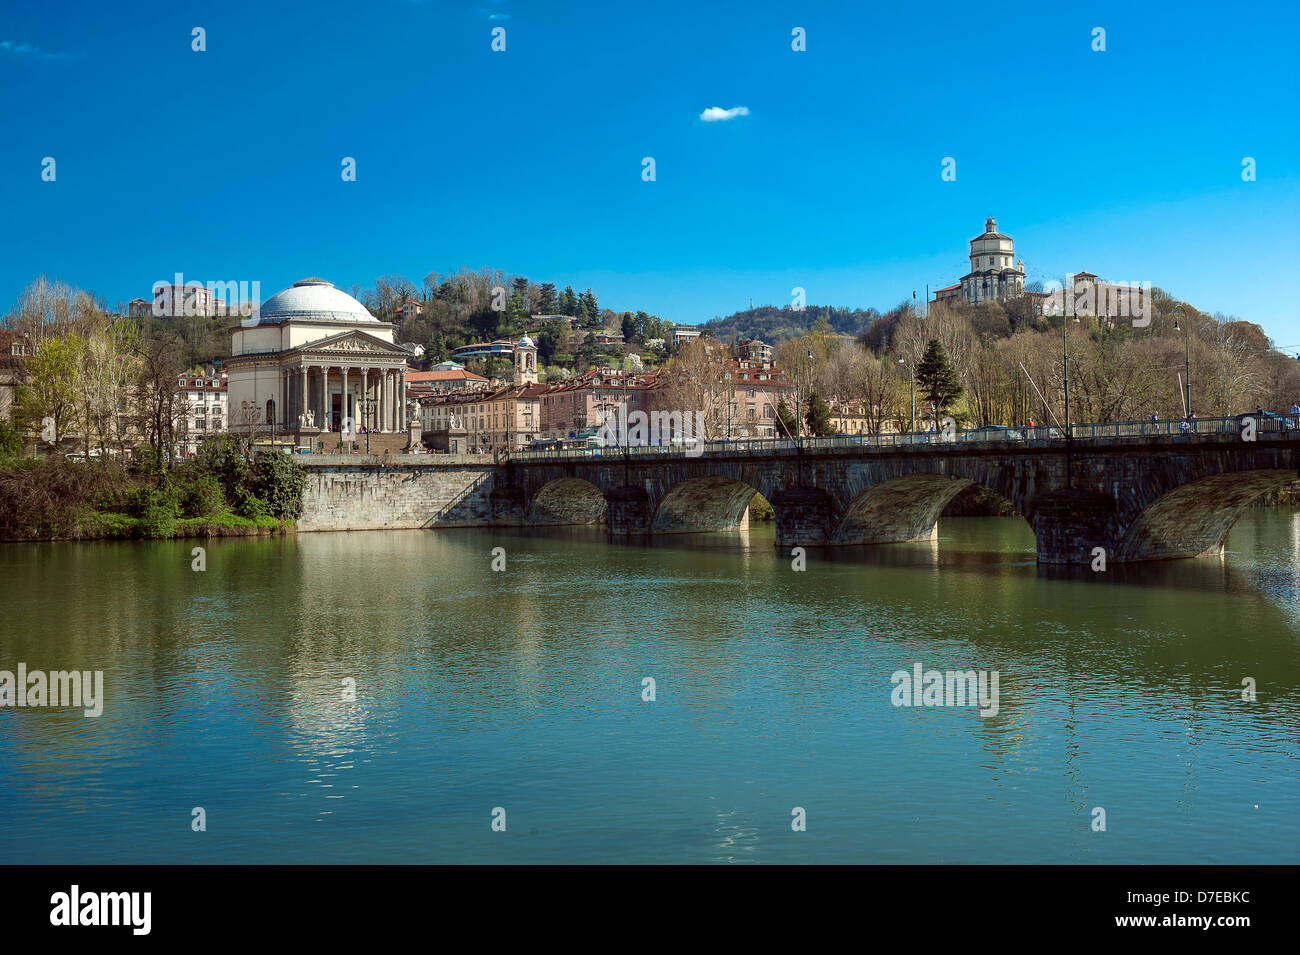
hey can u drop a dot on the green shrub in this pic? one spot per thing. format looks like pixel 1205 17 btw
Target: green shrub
pixel 200 495
pixel 281 482
pixel 157 510
pixel 11 441
pixel 248 504
pixel 222 455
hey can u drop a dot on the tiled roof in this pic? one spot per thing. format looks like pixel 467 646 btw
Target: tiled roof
pixel 452 374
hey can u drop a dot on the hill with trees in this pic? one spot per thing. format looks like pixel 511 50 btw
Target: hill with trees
pixel 775 325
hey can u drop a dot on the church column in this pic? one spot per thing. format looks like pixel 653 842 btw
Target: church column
pixel 302 373
pixel 343 402
pixel 365 385
pixel 383 405
pixel 324 394
pixel 405 419
pixel 392 399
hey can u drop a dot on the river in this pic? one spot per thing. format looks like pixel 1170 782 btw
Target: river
pixel 522 690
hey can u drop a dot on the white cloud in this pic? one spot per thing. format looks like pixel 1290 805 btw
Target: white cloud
pixel 26 49
pixel 716 114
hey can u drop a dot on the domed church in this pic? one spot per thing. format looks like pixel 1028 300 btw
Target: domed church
pixel 313 360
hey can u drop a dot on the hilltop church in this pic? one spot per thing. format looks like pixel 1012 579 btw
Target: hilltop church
pixel 992 275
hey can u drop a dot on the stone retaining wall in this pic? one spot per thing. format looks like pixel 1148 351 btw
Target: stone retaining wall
pixel 396 495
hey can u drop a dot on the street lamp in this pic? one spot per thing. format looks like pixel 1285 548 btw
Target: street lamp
pixel 912 369
pixel 798 425
pixel 1187 360
pixel 1065 360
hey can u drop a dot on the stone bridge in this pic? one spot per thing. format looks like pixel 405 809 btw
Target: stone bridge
pixel 1142 497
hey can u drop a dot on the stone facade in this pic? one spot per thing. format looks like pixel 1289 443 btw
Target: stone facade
pixel 397 495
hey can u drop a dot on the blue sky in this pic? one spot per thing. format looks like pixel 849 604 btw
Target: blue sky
pixel 225 165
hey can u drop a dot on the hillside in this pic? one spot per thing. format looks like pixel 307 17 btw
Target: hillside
pixel 775 325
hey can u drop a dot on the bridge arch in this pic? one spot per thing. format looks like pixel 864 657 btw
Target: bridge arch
pixel 708 502
pixel 903 508
pixel 568 500
pixel 1194 519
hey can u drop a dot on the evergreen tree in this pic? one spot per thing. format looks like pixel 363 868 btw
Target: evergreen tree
pixel 568 302
pixel 818 416
pixel 629 327
pixel 516 312
pixel 546 346
pixel 937 379
pixel 588 304
pixel 786 425
pixel 547 301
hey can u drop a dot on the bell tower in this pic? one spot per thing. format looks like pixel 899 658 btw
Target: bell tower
pixel 525 362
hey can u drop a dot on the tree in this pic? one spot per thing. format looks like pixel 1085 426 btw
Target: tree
pixel 818 416
pixel 546 300
pixel 629 327
pixel 52 386
pixel 937 379
pixel 546 346
pixel 159 405
pixel 569 302
pixel 880 390
pixel 589 307
pixel 786 420
pixel 694 382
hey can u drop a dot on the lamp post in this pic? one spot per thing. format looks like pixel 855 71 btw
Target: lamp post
pixel 1187 360
pixel 798 409
pixel 912 369
pixel 798 412
pixel 1065 361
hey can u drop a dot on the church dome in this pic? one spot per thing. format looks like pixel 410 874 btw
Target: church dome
pixel 525 342
pixel 314 300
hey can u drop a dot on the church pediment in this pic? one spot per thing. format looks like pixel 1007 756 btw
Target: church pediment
pixel 353 343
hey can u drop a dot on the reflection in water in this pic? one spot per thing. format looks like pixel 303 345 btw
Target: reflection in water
pixel 522 689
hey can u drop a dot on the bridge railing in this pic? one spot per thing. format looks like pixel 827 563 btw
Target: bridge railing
pixel 1263 423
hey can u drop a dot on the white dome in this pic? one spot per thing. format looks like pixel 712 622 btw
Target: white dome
pixel 525 342
pixel 315 300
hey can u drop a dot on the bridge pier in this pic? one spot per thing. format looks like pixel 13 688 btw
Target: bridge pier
pixel 509 506
pixel 627 511
pixel 1069 524
pixel 804 517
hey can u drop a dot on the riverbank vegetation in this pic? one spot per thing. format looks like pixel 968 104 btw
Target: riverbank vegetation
pixel 222 492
